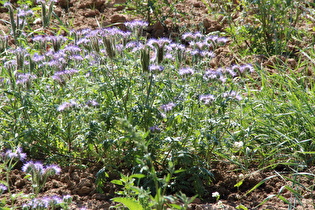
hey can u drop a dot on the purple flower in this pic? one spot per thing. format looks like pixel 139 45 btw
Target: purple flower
pixel 208 54
pixel 38 58
pixel 212 74
pixel 7 4
pixel 92 103
pixel 248 67
pixel 52 169
pixel 39 38
pixel 62 76
pixel 35 167
pixel 135 24
pixel 2 188
pixel 134 46
pixel 192 36
pixel 24 12
pixel 222 40
pixel 72 49
pixel 18 154
pixel 207 99
pixel 167 107
pixel 158 43
pixel 25 78
pixel 232 95
pixel 67 105
pixel 186 71
pixel 155 129
pixel 156 68
pixel 199 45
pixel 67 198
pixel 231 72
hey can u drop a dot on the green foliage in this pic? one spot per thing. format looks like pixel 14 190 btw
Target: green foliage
pixel 104 103
pixel 153 10
pixel 128 202
pixel 263 26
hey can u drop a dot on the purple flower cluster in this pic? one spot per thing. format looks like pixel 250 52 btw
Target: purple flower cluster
pixel 24 12
pixel 186 71
pixel 63 76
pixel 203 40
pixel 92 103
pixel 168 107
pixel 207 99
pixel 25 78
pixel 39 168
pixel 155 129
pixel 156 69
pixel 17 154
pixel 2 188
pixel 222 73
pixel 212 74
pixel 136 25
pixel 158 43
pixel 232 95
pixel 67 105
pixel 51 202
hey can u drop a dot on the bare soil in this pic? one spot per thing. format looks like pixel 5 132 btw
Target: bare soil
pixel 80 182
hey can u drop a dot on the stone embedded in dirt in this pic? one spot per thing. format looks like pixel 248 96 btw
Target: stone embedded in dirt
pixel 84 190
pixel 20 183
pixel 98 196
pixel 91 13
pixel 211 25
pixel 75 176
pixel 119 20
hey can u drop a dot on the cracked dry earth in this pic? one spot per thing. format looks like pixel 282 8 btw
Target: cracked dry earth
pixel 80 182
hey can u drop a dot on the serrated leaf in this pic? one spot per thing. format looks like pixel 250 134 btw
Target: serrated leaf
pixel 130 203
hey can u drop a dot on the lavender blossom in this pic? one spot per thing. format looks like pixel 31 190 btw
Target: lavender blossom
pixel 35 167
pixel 37 58
pixel 155 129
pixel 136 24
pixel 186 71
pixel 212 74
pixel 67 105
pixel 18 154
pixel 156 68
pixel 72 49
pixel 39 173
pixel 92 103
pixel 2 188
pixel 192 36
pixel 22 13
pixel 25 78
pixel 52 169
pixel 207 99
pixel 168 107
pixel 134 46
pixel 232 95
pixel 158 43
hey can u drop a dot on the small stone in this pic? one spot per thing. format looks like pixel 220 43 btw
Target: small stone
pixel 75 176
pixel 20 183
pixel 84 190
pixel 99 196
